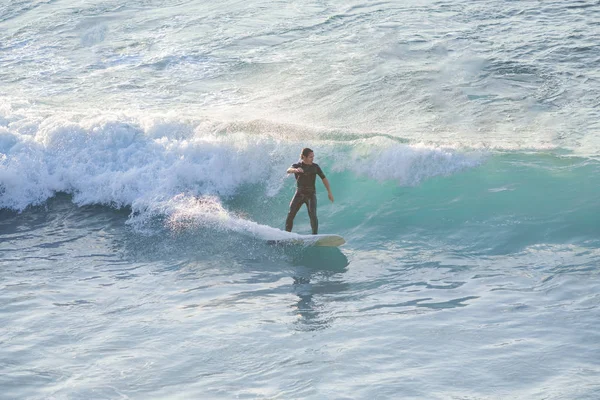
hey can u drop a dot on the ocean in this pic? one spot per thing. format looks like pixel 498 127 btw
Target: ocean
pixel 143 155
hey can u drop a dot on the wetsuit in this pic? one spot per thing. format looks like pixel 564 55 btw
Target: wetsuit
pixel 306 193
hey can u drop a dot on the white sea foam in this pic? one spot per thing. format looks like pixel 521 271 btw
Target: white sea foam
pixel 186 212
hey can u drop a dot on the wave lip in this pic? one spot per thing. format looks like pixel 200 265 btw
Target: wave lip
pixel 407 164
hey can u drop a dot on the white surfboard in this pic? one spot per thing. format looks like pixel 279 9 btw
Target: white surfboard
pixel 325 240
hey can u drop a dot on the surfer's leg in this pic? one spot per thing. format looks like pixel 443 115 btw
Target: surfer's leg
pixel 311 204
pixel 295 205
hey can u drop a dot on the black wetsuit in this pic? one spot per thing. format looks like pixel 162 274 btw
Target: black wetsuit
pixel 305 193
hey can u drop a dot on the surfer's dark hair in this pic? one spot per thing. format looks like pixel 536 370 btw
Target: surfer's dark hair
pixel 306 152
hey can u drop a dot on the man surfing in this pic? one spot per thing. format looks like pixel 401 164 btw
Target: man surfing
pixel 306 172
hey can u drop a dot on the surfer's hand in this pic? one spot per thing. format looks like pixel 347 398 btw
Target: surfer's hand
pixel 299 170
pixel 330 197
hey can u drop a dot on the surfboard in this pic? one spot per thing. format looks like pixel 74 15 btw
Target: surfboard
pixel 323 240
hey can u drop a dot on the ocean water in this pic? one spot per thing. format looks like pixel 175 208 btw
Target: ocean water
pixel 143 149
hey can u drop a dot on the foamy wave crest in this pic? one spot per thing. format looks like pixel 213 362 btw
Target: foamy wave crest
pixel 122 162
pixel 180 169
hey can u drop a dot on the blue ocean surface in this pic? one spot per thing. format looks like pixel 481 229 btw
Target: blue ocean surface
pixel 143 151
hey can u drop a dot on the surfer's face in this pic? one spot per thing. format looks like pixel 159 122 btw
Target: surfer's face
pixel 309 158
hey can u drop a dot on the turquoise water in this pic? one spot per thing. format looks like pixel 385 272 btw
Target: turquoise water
pixel 143 149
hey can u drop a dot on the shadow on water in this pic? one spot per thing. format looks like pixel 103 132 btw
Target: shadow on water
pixel 325 259
pixel 318 276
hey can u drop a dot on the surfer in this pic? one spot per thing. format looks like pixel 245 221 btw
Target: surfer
pixel 306 172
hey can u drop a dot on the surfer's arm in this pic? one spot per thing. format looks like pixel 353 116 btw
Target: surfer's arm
pixel 329 194
pixel 292 170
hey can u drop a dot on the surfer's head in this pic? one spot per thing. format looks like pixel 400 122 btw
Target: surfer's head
pixel 307 155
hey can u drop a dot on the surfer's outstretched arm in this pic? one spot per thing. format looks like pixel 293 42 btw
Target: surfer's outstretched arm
pixel 329 194
pixel 292 170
